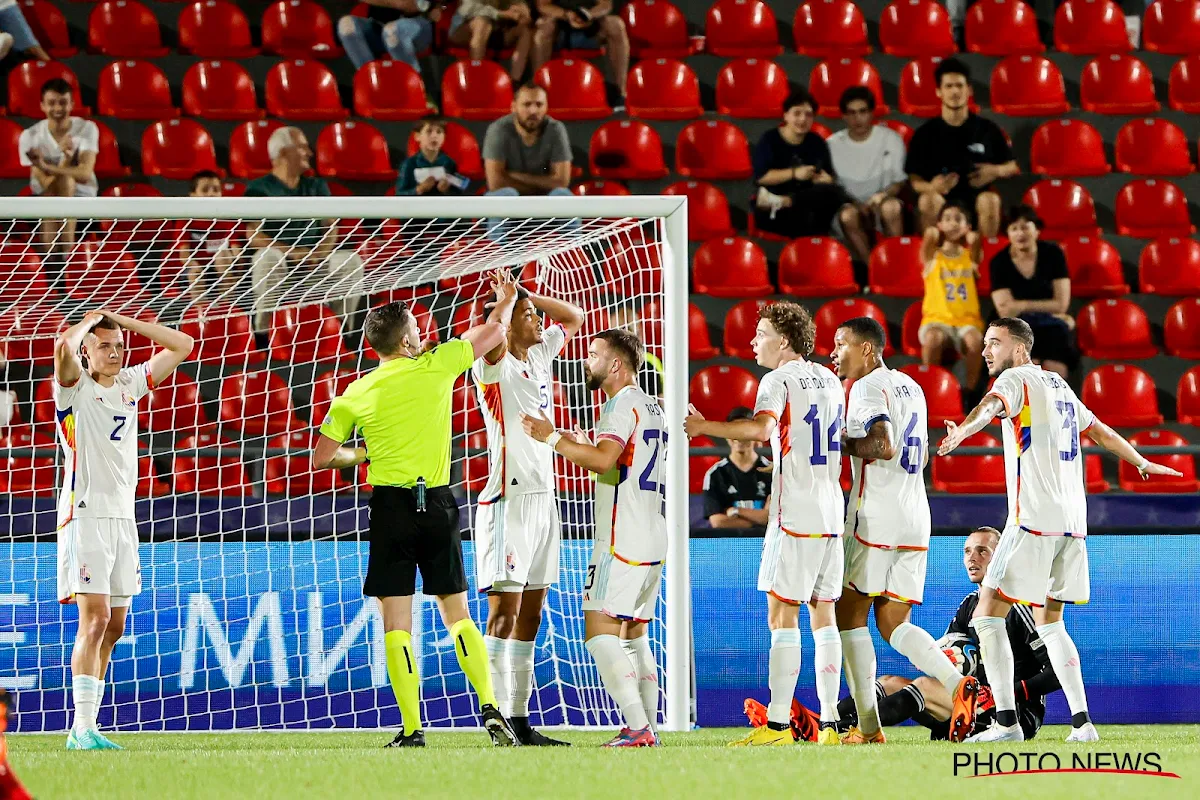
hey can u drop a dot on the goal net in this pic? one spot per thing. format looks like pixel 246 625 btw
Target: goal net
pixel 251 614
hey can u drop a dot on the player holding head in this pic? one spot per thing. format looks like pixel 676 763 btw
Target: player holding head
pixel 95 406
pixel 887 528
pixel 623 578
pixel 516 525
pixel 1042 557
pixel 799 409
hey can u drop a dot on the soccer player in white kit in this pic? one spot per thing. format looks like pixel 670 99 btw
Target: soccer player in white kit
pixel 1041 559
pixel 799 409
pixel 625 573
pixel 887 528
pixel 98 567
pixel 516 522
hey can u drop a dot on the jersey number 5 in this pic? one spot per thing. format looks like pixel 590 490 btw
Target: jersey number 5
pixel 116 434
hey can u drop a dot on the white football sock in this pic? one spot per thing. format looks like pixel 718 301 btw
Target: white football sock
pixel 858 650
pixel 1064 657
pixel 784 672
pixel 827 661
pixel 642 656
pixel 520 667
pixel 919 647
pixel 85 695
pixel 497 651
pixel 99 702
pixel 997 656
pixel 619 677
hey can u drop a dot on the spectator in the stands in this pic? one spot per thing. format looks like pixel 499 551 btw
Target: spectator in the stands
pixel 1030 281
pixel 958 156
pixel 798 194
pixel 583 25
pixel 15 33
pixel 401 28
pixel 297 261
pixel 527 152
pixel 736 488
pixel 504 23
pixel 210 249
pixel 430 171
pixel 869 161
pixel 951 320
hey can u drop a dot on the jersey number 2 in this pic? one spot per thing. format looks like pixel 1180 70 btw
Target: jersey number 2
pixel 116 434
pixel 644 481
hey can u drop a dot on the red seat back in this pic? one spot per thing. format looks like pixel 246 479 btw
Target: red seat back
pixel 731 267
pixel 830 29
pixel 915 28
pixel 816 266
pixel 1068 148
pixel 663 88
pixel 574 89
pixel 1151 208
pixel 1028 86
pixel 741 28
pixel 306 334
pixel 1153 146
pixel 1183 88
pixel 752 88
pixel 134 90
pixel 477 90
pixel 1090 27
pixel 299 29
pixel 1172 26
pixel 220 90
pixel 215 29
pixel 1114 328
pixel 708 209
pixel 1122 395
pixel 943 394
pixel 959 474
pixel 830 316
pixel 1003 28
pixel 895 267
pixel 303 89
pixel 717 390
pixel 741 323
pixel 713 150
pixel 354 151
pixel 1170 266
pixel 25 81
pixel 1181 329
pixel 1131 481
pixel 1065 207
pixel 49 27
pixel 1095 267
pixel 209 475
pixel 626 150
pixel 831 78
pixel 389 90
pixel 124 29
pixel 1117 84
pixel 257 403
pixel 248 157
pixel 656 28
pixel 178 149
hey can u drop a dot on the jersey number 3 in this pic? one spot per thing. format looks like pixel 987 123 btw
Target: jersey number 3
pixel 116 434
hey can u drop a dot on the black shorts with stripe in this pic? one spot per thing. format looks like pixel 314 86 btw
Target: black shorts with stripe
pixel 405 540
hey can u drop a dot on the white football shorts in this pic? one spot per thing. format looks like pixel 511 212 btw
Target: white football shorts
pixel 876 571
pixel 1027 568
pixel 619 589
pixel 516 543
pixel 798 569
pixel 99 556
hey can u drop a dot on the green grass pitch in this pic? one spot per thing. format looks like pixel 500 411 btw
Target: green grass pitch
pixel 353 766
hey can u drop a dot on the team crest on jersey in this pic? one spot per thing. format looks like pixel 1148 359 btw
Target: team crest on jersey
pixel 84 575
pixel 128 400
pixel 509 563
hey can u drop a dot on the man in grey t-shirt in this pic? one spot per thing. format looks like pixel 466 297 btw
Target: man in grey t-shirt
pixel 527 152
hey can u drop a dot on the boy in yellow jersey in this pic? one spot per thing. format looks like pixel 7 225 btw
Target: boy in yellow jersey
pixel 950 315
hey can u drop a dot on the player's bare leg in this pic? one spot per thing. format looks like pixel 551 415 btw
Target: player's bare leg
pixel 637 647
pixel 118 610
pixel 94 617
pixel 783 618
pixel 473 660
pixel 402 668
pixel 602 638
pixel 858 650
pixel 520 684
pixel 1064 657
pixel 996 653
pixel 503 609
pixel 827 664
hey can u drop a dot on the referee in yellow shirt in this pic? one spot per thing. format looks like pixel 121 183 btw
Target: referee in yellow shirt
pixel 402 411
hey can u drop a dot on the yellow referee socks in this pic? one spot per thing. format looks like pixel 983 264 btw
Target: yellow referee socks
pixel 473 659
pixel 406 682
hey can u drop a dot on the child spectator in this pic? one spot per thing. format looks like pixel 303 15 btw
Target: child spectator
pixel 950 314
pixel 429 170
pixel 210 248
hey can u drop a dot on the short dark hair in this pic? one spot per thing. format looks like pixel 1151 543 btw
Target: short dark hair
pixel 627 345
pixel 529 86
pixel 107 324
pixel 951 66
pixel 58 86
pixel 793 322
pixel 1017 328
pixel 967 213
pixel 202 175
pixel 853 93
pixel 799 97
pixel 385 327
pixel 422 124
pixel 739 412
pixel 867 330
pixel 1026 213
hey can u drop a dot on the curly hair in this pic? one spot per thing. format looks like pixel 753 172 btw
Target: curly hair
pixel 793 322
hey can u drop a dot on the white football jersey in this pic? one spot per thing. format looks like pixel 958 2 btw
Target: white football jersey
pixel 1043 462
pixel 518 464
pixel 631 497
pixel 806 400
pixel 888 506
pixel 98 429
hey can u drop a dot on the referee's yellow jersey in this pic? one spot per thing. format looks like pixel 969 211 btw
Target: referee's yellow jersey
pixel 402 411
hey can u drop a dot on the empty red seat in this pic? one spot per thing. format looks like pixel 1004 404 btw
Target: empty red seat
pixel 101 271
pixel 248 157
pixel 303 89
pixel 1028 86
pixel 1122 395
pixel 1151 208
pixel 464 408
pixel 306 334
pixel 895 267
pixel 108 156
pixel 1117 84
pixel 1170 266
pixel 173 405
pixel 574 89
pixel 1131 481
pixel 831 315
pixel 741 324
pixel 830 29
pixel 1172 26
pixel 220 90
pixel 1090 27
pixel 1095 267
pixel 707 211
pixel 627 149
pixel 731 267
pixel 699 342
pixel 960 474
pixel 134 90
pixel 713 150
pixel 829 79
pixel 1068 148
pixel 656 29
pixel 741 28
pixel 25 81
pixel 612 189
pixel 698 467
pixel 1183 89
pixel 663 88
pixel 327 386
pixel 178 149
pixel 49 27
pixel 1187 397
pixel 1065 207
pixel 1003 28
pixel 943 394
pixel 209 475
pixel 10 151
pixel 354 151
pixel 28 474
pixel 751 88
pixel 1153 146
pixel 294 474
pixel 816 266
pixel 389 90
pixel 915 28
pixel 215 29
pixel 223 339
pixel 479 90
pixel 23 283
pixel 1093 475
pixel 299 29
pixel 124 29
pixel 717 390
pixel 1114 329
pixel 1181 329
pixel 257 403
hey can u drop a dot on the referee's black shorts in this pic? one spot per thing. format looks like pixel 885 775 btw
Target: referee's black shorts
pixel 404 540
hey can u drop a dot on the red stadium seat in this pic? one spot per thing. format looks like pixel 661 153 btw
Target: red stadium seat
pixel 990 247
pixel 134 90
pixel 574 89
pixel 1028 86
pixel 299 29
pixel 1003 28
pixel 657 29
pixel 178 149
pixel 717 390
pixel 663 88
pixel 741 28
pixel 1172 27
pixel 34 330
pixel 1093 475
pixel 751 88
pixel 1131 481
pixel 1122 395
pixel 699 343
pixel 741 322
pixel 209 475
pixel 389 91
pixel 698 467
pixel 306 334
pixel 1094 266
pixel 1151 208
pixel 461 145
pixel 1170 266
pixel 108 159
pixel 294 474
pixel 225 339
pixel 918 89
pixel 1066 208
pixel 257 403
pixel 464 407
pixel 124 29
pixel 943 394
pixel 970 474
pixel 354 151
pixel 101 271
pixel 215 29
pixel 1090 27
pixel 22 281
pixel 25 82
pixel 708 209
pixel 327 386
pixel 895 267
pixel 829 79
pixel 173 405
pixel 468 314
pixel 132 190
pixel 49 27
pixel 1153 146
pixel 149 484
pixel 1068 148
pixel 627 149
pixel 713 150
pixel 1187 395
pixel 1117 84
pixel 477 90
pixel 220 90
pixel 731 267
pixel 1181 329
pixel 835 312
pixel 631 268
pixel 910 330
pixel 830 29
pixel 1183 89
pixel 816 266
pixel 248 156
pixel 24 475
pixel 304 90
pixel 610 189
pixel 916 28
pixel 1114 329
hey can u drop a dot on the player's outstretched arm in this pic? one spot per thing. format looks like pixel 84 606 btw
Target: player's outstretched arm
pixel 177 343
pixel 569 315
pixel 876 444
pixel 758 429
pixel 67 367
pixel 1116 444
pixel 329 454
pixel 491 338
pixel 574 447
pixel 977 420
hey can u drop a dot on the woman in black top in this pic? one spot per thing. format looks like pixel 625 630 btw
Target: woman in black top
pixel 1030 281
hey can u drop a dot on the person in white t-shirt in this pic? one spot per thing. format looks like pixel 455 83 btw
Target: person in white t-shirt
pixel 95 409
pixel 869 160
